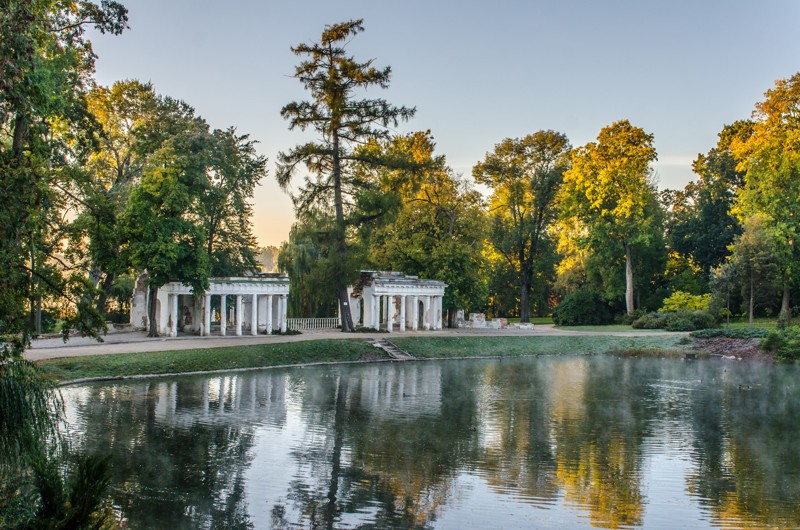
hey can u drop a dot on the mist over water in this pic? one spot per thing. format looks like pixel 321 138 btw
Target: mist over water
pixel 539 442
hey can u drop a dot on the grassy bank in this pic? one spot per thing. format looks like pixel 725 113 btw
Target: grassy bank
pixel 208 359
pixel 443 347
pixel 266 355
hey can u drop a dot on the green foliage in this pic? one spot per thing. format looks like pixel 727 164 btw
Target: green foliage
pixel 701 225
pixel 344 125
pixel 770 156
pixel 731 333
pixel 608 199
pixel 675 321
pixel 582 308
pixel 757 259
pixel 525 175
pixel 438 228
pixel 784 343
pixel 650 321
pixel 681 301
pixel 30 409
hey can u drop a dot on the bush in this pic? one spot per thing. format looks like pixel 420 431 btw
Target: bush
pixel 651 321
pixel 784 343
pixel 629 318
pixel 678 321
pixel 681 301
pixel 582 308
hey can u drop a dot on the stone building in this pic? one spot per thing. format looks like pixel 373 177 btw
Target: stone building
pixel 393 300
pixel 237 305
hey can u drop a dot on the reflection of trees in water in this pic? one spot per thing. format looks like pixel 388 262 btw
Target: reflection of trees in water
pixel 598 429
pixel 179 449
pixel 390 447
pixel 748 463
pixel 384 445
pixel 515 428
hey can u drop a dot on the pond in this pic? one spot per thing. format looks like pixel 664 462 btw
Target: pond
pixel 537 442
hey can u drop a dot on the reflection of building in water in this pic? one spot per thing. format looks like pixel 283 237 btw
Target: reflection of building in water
pixel 222 399
pixel 399 390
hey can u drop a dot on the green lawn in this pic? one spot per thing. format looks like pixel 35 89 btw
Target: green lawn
pixel 762 322
pixel 207 359
pixel 442 347
pixel 295 353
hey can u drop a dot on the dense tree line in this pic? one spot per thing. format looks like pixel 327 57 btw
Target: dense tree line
pixel 558 221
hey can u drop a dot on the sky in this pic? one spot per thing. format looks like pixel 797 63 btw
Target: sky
pixel 477 72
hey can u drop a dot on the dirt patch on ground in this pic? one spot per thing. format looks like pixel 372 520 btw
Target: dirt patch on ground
pixel 746 349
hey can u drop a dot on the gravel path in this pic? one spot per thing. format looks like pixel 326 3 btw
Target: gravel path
pixel 132 342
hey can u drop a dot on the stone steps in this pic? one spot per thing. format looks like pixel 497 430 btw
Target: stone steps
pixel 393 351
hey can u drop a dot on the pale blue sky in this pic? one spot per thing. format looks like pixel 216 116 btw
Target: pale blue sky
pixel 477 72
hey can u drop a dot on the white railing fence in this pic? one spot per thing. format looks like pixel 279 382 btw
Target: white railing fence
pixel 298 324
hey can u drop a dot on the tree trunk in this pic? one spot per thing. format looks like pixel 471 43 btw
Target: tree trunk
pixel 524 299
pixel 628 280
pixel 103 296
pixel 752 300
pixel 20 136
pixel 341 279
pixel 785 316
pixel 151 311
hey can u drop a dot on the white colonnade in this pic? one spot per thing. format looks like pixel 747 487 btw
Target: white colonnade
pixel 395 301
pixel 248 305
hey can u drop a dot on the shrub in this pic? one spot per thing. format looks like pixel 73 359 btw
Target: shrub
pixel 681 301
pixel 582 308
pixel 629 318
pixel 650 321
pixel 784 343
pixel 678 321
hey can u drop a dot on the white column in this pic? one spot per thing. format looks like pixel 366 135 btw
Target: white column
pixel 206 315
pixel 390 315
pixel 402 313
pixel 173 311
pixel 269 314
pixel 223 318
pixel 239 315
pixel 254 315
pixel 438 312
pixel 426 313
pixel 415 313
pixel 374 316
pixel 284 307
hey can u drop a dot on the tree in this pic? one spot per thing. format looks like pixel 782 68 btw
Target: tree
pixel 436 230
pixel 45 68
pixel 525 175
pixel 609 196
pixel 770 158
pixel 166 236
pixel 757 259
pixel 45 64
pixel 234 171
pixel 108 167
pixel 701 225
pixel 342 122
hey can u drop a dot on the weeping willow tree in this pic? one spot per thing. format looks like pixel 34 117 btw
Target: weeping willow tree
pixel 307 261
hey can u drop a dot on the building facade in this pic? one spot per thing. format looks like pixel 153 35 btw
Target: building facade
pixel 248 305
pixel 395 301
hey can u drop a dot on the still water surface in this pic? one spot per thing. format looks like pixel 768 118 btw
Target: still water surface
pixel 547 442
